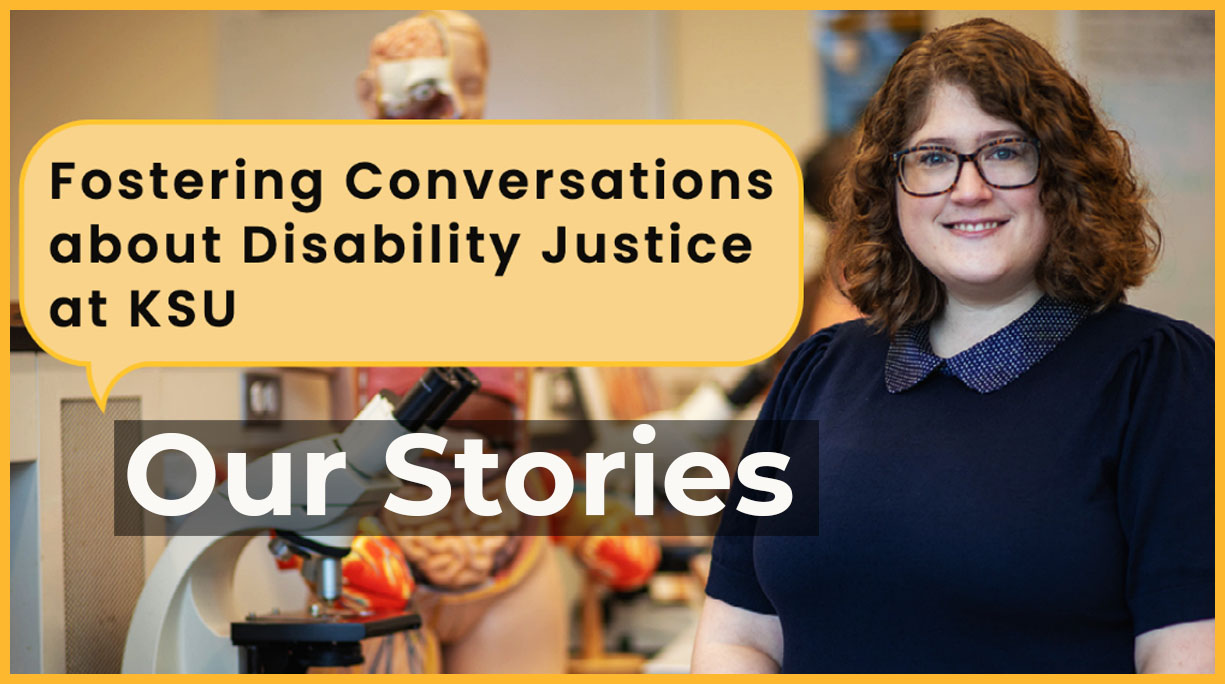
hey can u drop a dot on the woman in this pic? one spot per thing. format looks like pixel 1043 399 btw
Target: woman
pixel 1015 467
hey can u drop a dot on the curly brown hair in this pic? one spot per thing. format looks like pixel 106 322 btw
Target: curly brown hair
pixel 1102 238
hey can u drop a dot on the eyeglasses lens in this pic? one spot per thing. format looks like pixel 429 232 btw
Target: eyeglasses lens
pixel 1003 165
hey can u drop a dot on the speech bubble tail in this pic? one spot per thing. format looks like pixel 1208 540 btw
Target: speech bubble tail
pixel 102 379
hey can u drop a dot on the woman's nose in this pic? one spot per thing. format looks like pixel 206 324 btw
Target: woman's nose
pixel 970 187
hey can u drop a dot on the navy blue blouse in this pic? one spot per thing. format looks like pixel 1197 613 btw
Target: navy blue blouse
pixel 1033 506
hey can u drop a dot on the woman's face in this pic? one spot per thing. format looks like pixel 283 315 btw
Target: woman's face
pixel 981 242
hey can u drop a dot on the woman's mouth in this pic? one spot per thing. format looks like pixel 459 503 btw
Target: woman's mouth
pixel 975 227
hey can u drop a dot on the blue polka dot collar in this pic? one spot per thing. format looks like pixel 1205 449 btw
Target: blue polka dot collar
pixel 993 362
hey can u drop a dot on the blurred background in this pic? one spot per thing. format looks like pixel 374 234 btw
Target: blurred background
pixel 804 75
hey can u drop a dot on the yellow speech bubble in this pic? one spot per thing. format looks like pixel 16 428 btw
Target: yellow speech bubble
pixel 409 243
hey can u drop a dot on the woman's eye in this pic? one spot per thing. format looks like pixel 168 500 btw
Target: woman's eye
pixel 1004 153
pixel 933 158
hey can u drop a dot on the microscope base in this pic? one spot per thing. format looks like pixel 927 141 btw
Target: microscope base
pixel 291 643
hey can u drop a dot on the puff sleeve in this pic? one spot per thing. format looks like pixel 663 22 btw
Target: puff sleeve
pixel 1166 477
pixel 733 574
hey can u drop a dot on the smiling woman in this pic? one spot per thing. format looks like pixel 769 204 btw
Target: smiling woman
pixel 1015 467
pixel 981 241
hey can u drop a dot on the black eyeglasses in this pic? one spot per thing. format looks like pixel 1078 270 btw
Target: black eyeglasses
pixel 1004 164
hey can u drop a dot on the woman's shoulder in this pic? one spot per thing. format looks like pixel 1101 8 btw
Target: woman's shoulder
pixel 828 355
pixel 1147 346
pixel 1136 329
pixel 850 334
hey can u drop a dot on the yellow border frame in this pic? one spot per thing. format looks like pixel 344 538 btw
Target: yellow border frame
pixel 1219 256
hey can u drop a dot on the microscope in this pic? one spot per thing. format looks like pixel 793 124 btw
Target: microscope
pixel 186 619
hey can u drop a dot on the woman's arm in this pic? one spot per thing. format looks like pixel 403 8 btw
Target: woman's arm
pixel 735 640
pixel 1185 647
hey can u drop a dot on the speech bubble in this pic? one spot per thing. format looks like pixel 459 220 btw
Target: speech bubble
pixel 700 224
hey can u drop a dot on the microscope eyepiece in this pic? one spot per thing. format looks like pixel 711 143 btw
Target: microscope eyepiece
pixel 468 383
pixel 426 397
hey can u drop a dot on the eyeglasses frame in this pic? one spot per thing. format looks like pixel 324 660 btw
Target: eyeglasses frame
pixel 961 162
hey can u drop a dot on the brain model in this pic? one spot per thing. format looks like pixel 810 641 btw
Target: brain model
pixel 457 549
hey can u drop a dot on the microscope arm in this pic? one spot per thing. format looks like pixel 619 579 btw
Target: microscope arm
pixel 182 618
